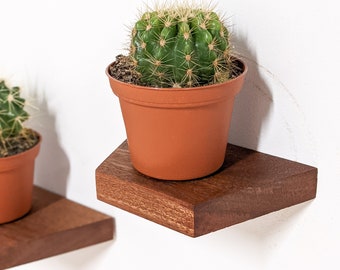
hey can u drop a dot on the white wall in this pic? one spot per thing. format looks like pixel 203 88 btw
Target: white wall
pixel 57 51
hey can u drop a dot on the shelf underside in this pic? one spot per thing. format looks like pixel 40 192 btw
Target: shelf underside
pixel 54 226
pixel 248 185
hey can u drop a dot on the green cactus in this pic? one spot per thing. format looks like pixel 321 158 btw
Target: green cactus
pixel 12 113
pixel 181 47
pixel 13 136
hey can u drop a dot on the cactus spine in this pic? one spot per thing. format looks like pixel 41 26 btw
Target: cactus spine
pixel 181 47
pixel 13 136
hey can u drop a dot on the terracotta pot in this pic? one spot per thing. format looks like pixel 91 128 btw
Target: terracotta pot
pixel 16 184
pixel 177 133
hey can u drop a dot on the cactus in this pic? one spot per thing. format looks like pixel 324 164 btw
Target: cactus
pixel 12 113
pixel 181 47
pixel 13 136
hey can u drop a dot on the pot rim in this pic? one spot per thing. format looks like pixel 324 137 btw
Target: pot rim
pixel 177 97
pixel 34 148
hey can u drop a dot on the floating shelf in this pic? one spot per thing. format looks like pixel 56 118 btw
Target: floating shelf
pixel 248 185
pixel 54 225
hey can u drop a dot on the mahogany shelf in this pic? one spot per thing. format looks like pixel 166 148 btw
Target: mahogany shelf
pixel 248 185
pixel 54 225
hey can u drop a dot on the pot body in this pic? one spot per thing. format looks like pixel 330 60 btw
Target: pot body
pixel 177 133
pixel 16 184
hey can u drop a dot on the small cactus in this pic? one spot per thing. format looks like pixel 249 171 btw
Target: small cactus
pixel 13 136
pixel 12 113
pixel 181 47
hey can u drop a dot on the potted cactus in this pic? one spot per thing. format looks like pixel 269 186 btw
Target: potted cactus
pixel 176 89
pixel 18 148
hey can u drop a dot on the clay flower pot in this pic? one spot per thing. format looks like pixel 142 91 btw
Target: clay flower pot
pixel 16 184
pixel 177 133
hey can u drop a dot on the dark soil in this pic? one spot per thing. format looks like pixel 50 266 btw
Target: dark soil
pixel 25 141
pixel 123 70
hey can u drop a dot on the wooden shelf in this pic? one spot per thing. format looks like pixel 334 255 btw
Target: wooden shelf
pixel 248 185
pixel 54 225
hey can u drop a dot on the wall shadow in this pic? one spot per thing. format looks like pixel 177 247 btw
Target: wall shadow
pixel 52 164
pixel 262 233
pixel 253 103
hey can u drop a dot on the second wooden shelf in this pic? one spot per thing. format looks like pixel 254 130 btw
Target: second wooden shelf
pixel 54 225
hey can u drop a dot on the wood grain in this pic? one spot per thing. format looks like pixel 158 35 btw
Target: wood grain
pixel 54 225
pixel 248 185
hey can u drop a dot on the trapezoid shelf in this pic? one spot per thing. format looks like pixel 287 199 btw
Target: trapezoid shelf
pixel 248 185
